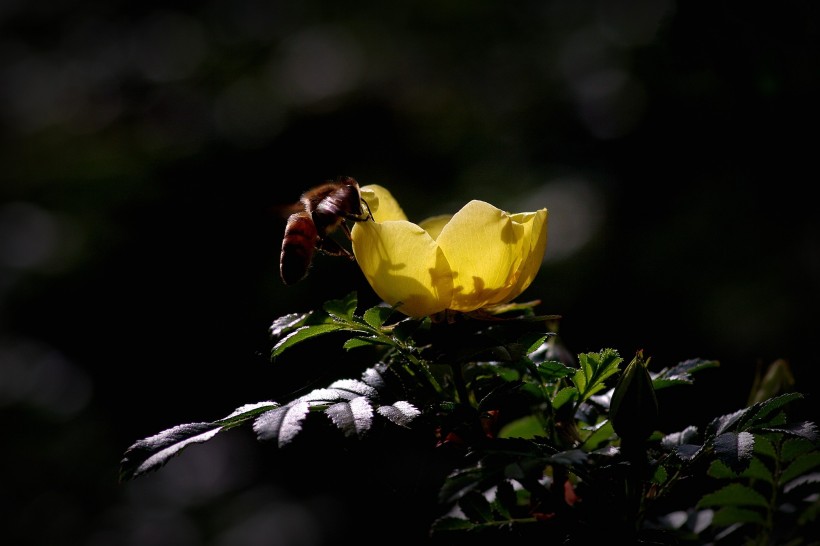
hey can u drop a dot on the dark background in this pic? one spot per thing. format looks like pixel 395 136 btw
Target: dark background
pixel 146 146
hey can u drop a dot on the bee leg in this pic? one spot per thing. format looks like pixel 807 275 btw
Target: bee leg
pixel 332 248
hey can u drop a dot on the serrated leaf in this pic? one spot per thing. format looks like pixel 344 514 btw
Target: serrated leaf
pixel 153 452
pixel 734 494
pixel 685 436
pixel 687 452
pixel 368 341
pixel 281 424
pixel 552 370
pixel 681 373
pixel 794 447
pixel 766 407
pixel 800 465
pixel 563 396
pixel 594 369
pixel 506 500
pixel 401 413
pixel 374 378
pixel 735 449
pixel 758 471
pixel 376 316
pixel 342 309
pixel 303 333
pixel 732 515
pixel 806 430
pixel 460 482
pixel 286 323
pixel 722 424
pixel 719 469
pixel 354 386
pixel 353 417
pixel 527 427
pixel 476 507
pixel 807 479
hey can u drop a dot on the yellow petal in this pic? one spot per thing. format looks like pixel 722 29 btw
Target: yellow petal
pixel 404 265
pixel 486 249
pixel 535 224
pixel 435 224
pixel 382 204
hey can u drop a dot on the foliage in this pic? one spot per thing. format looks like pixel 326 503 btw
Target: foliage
pixel 545 444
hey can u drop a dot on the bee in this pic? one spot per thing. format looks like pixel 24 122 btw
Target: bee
pixel 320 211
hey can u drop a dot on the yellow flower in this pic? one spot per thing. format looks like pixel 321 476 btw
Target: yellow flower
pixel 477 257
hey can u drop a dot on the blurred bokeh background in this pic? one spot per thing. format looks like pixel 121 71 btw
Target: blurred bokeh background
pixel 146 146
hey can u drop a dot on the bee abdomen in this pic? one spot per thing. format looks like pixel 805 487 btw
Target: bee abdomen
pixel 298 246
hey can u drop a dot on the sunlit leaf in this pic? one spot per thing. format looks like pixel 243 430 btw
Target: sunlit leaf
pixel 286 323
pixel 376 316
pixel 594 369
pixel 282 424
pixel 722 424
pixel 356 342
pixel 303 333
pixel 686 436
pixel 401 413
pixel 353 417
pixel 552 370
pixel 153 452
pixel 563 396
pixel 735 449
pixel 806 429
pixel 772 404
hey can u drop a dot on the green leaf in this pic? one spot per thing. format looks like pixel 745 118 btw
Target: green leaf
pixel 794 447
pixel 376 316
pixel 732 515
pixel 806 429
pixel 476 507
pixel 758 471
pixel 734 494
pixel 563 396
pixel 342 308
pixel 800 466
pixel 594 369
pixel 602 432
pixel 681 373
pixel 506 499
pixel 767 407
pixel 354 417
pixel 304 333
pixel 525 427
pixel 451 524
pixel 355 342
pixel 552 370
pixel 153 452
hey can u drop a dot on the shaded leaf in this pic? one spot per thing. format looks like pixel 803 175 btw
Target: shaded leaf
pixel 401 413
pixel 765 408
pixel 800 465
pixel 731 515
pixel 734 494
pixel 794 447
pixel 552 370
pixel 722 424
pixel 476 507
pixel 687 452
pixel 808 479
pixel 451 524
pixel 353 417
pixel 342 308
pixel 282 424
pixel 506 499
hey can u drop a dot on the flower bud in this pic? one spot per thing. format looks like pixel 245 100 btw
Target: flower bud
pixel 633 410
